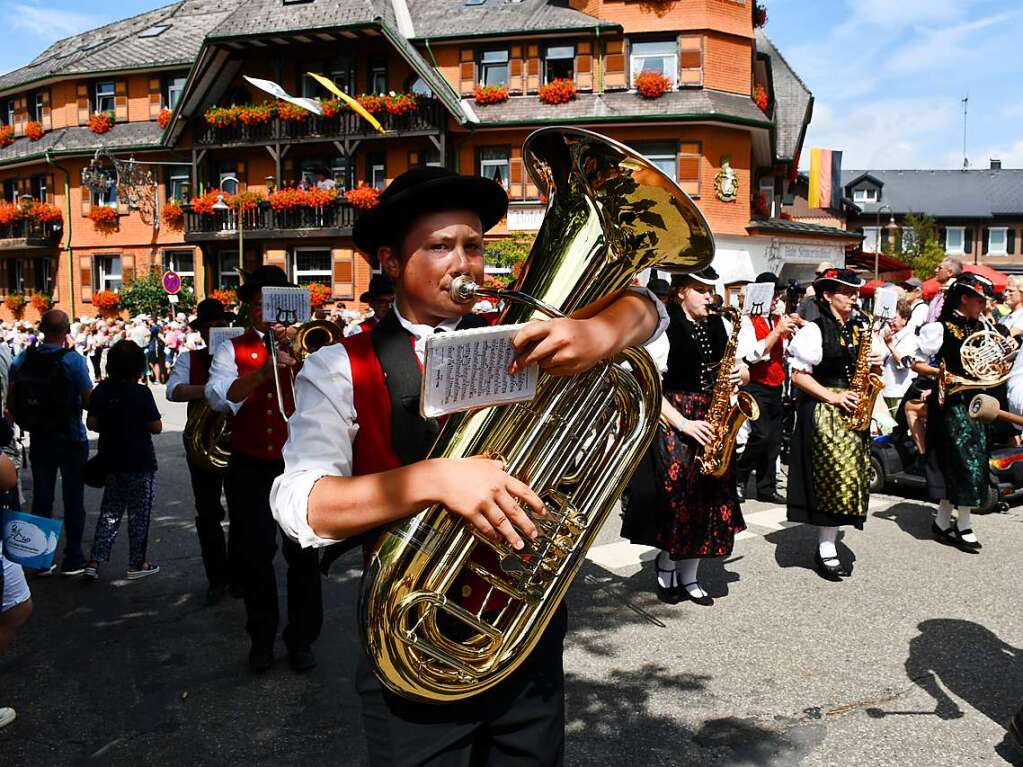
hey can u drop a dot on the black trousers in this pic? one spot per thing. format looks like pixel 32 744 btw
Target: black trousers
pixel 247 485
pixel 209 514
pixel 518 723
pixel 761 451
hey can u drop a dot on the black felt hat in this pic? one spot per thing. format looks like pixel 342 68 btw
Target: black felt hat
pixel 706 276
pixel 262 277
pixel 208 311
pixel 379 285
pixel 767 277
pixel 829 279
pixel 974 283
pixel 426 189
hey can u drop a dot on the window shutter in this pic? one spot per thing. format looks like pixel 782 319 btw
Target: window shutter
pixel 344 274
pixel 287 170
pixel 47 117
pixel 121 101
pixel 86 199
pixel 690 60
pixel 413 158
pixel 85 274
pixel 155 97
pixel 583 66
pixel 51 193
pixel 532 68
pixel 24 187
pixel 942 237
pixel 127 269
pixel 466 71
pixel 122 206
pixel 515 173
pixel 985 235
pixel 20 115
pixel 688 167
pixel 516 82
pixel 241 173
pixel 1010 242
pixel 968 240
pixel 82 96
pixel 614 65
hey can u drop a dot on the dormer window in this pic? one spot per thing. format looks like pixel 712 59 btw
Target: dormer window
pixel 494 67
pixel 866 194
pixel 104 96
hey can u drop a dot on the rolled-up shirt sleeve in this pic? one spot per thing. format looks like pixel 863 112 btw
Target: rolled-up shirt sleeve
pixel 929 341
pixel 806 349
pixel 321 435
pixel 223 373
pixel 748 347
pixel 180 374
pixel 662 311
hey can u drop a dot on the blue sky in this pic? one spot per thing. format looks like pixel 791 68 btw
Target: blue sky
pixel 888 75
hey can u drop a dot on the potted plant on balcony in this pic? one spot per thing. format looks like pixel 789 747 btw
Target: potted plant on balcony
pixel 221 117
pixel 484 95
pixel 41 302
pixel 226 297
pixel 319 294
pixel 101 122
pixel 106 302
pixel 163 119
pixel 9 213
pixel 759 14
pixel 104 218
pixel 245 201
pixel 6 135
pixel 16 303
pixel 651 84
pixel 760 97
pixel 34 130
pixel 44 213
pixel 400 104
pixel 173 215
pixel 363 196
pixel 555 92
pixel 290 112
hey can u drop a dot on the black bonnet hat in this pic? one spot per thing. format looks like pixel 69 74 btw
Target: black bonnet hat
pixel 265 276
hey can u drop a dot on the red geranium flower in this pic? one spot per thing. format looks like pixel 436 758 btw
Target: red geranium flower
pixel 651 84
pixel 6 135
pixel 101 122
pixel 34 131
pixel 490 94
pixel 557 92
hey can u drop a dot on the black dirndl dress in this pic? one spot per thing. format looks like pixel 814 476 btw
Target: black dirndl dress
pixel 671 505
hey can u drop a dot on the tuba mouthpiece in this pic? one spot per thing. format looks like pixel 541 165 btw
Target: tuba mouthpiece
pixel 463 289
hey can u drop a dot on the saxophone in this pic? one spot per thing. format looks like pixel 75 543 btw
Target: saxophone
pixel 724 418
pixel 864 384
pixel 610 214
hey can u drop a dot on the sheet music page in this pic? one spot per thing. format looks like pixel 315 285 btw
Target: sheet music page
pixel 468 369
pixel 287 306
pixel 219 335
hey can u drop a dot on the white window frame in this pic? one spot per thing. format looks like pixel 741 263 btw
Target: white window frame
pixel 908 238
pixel 170 262
pixel 109 197
pixel 98 98
pixel 1003 249
pixel 666 161
pixel 494 164
pixel 323 276
pixel 547 58
pixel 378 79
pixel 104 275
pixel 485 66
pixel 43 267
pixel 865 194
pixel 233 279
pixel 177 181
pixel 229 178
pixel 871 239
pixel 960 249
pixel 174 92
pixel 669 59
pixel 15 275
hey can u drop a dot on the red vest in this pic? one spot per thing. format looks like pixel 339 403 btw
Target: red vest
pixel 258 430
pixel 769 372
pixel 367 325
pixel 199 361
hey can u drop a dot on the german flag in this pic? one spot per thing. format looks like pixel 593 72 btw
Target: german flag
pixel 825 179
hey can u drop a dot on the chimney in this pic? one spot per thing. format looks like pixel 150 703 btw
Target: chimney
pixel 996 164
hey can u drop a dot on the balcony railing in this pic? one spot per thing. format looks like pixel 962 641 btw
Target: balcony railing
pixel 265 222
pixel 428 116
pixel 26 233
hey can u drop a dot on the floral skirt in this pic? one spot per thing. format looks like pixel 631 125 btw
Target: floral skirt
pixel 691 515
pixel 957 450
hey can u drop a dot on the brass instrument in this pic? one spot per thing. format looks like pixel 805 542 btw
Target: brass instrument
pixel 610 214
pixel 987 358
pixel 864 384
pixel 724 418
pixel 207 437
pixel 304 340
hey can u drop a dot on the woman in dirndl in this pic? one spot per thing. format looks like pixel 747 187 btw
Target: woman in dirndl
pixel 957 446
pixel 829 462
pixel 694 516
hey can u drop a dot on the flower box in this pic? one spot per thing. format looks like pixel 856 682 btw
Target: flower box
pixel 101 122
pixel 41 302
pixel 363 197
pixel 290 112
pixel 9 213
pixel 319 294
pixel 226 297
pixel 44 213
pixel 6 135
pixel 106 301
pixel 651 84
pixel 289 199
pixel 490 94
pixel 104 218
pixel 164 118
pixel 34 130
pixel 173 214
pixel 760 97
pixel 557 92
pixel 16 303
pixel 759 15
pixel 400 104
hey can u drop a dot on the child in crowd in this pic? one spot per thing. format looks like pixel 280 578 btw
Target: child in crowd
pixel 15 597
pixel 124 413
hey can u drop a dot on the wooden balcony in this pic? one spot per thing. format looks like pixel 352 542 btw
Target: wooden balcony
pixel 28 235
pixel 264 223
pixel 427 119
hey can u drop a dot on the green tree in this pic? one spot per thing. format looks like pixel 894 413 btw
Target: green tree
pixel 145 295
pixel 506 251
pixel 921 250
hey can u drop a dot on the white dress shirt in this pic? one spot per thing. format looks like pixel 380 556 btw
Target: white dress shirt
pixel 181 373
pixel 896 371
pixel 223 373
pixel 806 349
pixel 321 433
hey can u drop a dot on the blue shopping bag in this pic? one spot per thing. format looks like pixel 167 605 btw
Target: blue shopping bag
pixel 29 540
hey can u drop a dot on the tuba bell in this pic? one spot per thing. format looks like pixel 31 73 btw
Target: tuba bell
pixel 610 214
pixel 207 437
pixel 313 336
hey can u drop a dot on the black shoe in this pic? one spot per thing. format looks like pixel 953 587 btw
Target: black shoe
pixel 74 567
pixel 1016 728
pixel 261 659
pixel 705 601
pixel 671 595
pixel 301 659
pixel 964 545
pixel 772 497
pixel 830 569
pixel 215 593
pixel 946 537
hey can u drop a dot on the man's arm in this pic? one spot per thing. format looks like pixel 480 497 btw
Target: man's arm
pixel 223 373
pixel 178 388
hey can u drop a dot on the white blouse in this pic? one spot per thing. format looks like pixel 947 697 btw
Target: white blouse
pixel 806 349
pixel 929 340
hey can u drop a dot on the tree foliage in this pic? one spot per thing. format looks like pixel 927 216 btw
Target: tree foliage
pixel 145 295
pixel 506 251
pixel 924 252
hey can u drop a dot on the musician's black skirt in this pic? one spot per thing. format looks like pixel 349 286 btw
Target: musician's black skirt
pixel 957 451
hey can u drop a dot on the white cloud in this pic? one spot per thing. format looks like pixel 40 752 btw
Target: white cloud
pixel 1011 155
pixel 944 47
pixel 891 15
pixel 48 24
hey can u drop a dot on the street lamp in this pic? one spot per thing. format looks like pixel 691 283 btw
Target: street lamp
pixel 891 226
pixel 221 206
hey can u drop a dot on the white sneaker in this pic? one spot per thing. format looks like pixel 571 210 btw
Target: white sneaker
pixel 7 716
pixel 145 572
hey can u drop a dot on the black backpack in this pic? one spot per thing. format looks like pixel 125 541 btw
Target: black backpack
pixel 43 395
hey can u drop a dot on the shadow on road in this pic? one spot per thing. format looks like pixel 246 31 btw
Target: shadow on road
pixel 912 518
pixel 795 547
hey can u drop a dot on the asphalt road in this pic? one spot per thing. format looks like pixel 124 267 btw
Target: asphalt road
pixel 917 659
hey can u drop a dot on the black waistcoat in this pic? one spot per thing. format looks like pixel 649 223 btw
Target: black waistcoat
pixel 696 350
pixel 955 330
pixel 840 346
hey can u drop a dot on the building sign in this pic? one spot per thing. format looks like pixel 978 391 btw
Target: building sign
pixel 726 183
pixel 801 253
pixel 525 219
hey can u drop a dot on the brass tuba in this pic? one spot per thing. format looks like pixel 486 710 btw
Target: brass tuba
pixel 610 214
pixel 207 437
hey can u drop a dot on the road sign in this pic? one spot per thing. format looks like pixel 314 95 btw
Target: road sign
pixel 171 282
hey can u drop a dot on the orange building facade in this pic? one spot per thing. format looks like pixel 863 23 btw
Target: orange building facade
pixel 707 130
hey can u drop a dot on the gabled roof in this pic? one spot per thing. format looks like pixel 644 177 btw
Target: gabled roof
pixel 793 101
pixel 118 46
pixel 436 19
pixel 687 105
pixel 784 226
pixel 945 193
pixel 862 177
pixel 80 140
pixel 265 17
